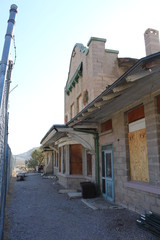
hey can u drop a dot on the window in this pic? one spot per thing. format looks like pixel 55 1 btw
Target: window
pixel 138 145
pixel 136 114
pixel 106 126
pixel 72 111
pixel 79 103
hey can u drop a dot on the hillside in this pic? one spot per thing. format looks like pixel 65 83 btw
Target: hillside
pixel 25 155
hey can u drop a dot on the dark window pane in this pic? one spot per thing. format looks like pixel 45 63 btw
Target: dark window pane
pixel 103 186
pixel 103 165
pixel 108 165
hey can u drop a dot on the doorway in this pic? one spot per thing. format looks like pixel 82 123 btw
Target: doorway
pixel 107 175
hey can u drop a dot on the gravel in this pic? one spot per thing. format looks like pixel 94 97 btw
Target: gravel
pixel 36 211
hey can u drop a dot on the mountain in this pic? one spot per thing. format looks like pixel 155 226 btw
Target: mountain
pixel 25 155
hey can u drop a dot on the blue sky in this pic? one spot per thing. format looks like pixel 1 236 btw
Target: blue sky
pixel 45 34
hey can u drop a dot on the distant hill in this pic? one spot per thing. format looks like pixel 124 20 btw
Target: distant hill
pixel 25 155
pixel 19 161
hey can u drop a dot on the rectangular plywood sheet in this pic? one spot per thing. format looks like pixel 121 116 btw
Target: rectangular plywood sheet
pixel 138 155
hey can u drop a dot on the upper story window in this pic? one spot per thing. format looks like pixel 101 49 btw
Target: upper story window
pixel 79 103
pixel 74 80
pixel 72 111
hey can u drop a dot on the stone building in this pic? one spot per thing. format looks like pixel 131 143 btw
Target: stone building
pixel 71 154
pixel 113 139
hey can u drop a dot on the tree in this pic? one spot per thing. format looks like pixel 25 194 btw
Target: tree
pixel 37 159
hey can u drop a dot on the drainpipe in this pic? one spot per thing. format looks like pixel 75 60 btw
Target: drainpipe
pixel 96 137
pixel 6 48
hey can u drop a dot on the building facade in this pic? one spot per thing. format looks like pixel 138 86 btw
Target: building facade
pixel 113 139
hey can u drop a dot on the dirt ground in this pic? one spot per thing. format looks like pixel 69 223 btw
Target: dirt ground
pixel 35 210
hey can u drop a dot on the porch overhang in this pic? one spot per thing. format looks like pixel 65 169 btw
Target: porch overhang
pixel 60 135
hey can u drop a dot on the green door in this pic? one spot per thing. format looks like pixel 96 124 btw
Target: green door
pixel 107 175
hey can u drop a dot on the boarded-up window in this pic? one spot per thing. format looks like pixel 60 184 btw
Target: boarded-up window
pixel 158 103
pixel 89 164
pixel 136 114
pixel 76 159
pixel 138 145
pixel 106 126
pixel 138 155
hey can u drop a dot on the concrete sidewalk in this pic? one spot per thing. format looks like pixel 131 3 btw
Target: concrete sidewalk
pixel 36 210
pixel 93 203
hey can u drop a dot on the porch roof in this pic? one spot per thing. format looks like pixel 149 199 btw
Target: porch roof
pixel 61 135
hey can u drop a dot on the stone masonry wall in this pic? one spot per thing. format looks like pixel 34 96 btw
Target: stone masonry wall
pixel 139 200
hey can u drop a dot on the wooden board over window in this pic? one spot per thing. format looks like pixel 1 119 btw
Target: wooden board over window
pixel 136 114
pixel 106 126
pixel 138 155
pixel 76 159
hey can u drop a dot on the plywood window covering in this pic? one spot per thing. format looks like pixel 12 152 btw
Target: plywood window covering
pixel 75 159
pixel 89 164
pixel 138 155
pixel 136 114
pixel 106 126
pixel 138 145
pixel 158 104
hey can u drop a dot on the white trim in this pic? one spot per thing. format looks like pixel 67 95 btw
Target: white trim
pixel 137 125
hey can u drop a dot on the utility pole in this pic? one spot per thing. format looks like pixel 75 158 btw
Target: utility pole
pixel 5 75
pixel 6 48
